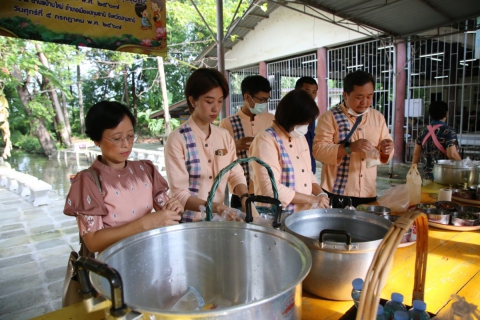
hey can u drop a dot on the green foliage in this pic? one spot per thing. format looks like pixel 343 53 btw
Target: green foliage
pixel 26 142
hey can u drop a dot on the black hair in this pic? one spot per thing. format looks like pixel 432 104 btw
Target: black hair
pixel 438 110
pixel 139 8
pixel 105 115
pixel 254 84
pixel 202 81
pixel 297 107
pixel 307 80
pixel 357 78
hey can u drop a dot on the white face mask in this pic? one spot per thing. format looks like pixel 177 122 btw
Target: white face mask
pixel 259 108
pixel 353 113
pixel 299 131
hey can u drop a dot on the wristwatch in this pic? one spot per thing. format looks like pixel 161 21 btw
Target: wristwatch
pixel 347 147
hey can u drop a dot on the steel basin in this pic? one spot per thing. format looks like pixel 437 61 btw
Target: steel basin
pixel 258 270
pixel 450 172
pixel 335 263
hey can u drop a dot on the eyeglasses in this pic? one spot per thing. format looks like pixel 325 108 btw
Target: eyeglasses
pixel 262 100
pixel 117 142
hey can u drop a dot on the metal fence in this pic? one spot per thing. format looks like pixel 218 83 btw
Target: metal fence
pixel 445 68
pixel 236 78
pixel 376 57
pixel 284 74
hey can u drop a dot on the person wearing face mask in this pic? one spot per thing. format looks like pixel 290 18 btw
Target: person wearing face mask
pixel 251 119
pixel 284 148
pixel 343 137
pixel 309 85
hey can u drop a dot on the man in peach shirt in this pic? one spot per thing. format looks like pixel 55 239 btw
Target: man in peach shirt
pixel 344 169
pixel 248 121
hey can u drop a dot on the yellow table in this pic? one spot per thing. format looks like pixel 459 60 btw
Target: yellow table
pixel 453 267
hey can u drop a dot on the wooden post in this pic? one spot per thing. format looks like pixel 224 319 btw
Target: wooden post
pixel 163 85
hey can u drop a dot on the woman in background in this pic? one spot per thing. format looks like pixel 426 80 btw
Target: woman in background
pixel 130 189
pixel 437 141
pixel 196 151
pixel 284 148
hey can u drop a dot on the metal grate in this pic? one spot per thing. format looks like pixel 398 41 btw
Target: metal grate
pixel 445 68
pixel 236 78
pixel 375 57
pixel 284 74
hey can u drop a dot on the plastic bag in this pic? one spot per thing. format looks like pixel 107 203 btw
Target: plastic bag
pixel 414 182
pixel 373 158
pixel 397 198
pixel 460 309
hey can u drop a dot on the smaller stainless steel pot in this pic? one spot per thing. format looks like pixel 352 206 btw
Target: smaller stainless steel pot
pixel 449 172
pixel 461 218
pixel 438 216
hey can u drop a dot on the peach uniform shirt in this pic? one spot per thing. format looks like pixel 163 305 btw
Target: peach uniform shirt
pixel 128 194
pixel 266 148
pixel 361 181
pixel 210 163
pixel 250 128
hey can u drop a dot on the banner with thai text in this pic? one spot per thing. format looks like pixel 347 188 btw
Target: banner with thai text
pixel 137 26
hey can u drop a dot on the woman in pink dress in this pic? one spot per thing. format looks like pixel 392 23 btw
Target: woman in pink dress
pixel 130 189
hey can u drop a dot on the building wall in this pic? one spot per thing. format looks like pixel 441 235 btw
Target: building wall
pixel 273 38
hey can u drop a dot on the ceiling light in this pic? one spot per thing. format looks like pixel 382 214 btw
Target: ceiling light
pixel 385 47
pixel 356 66
pixel 436 59
pixel 440 77
pixel 431 54
pixel 467 60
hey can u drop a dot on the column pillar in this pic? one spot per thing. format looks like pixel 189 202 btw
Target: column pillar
pixel 400 95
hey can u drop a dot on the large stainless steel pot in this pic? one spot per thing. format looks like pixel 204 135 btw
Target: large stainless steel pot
pixel 450 172
pixel 342 244
pixel 258 270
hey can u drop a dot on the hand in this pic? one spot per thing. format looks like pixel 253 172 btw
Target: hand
pixel 243 144
pixel 386 146
pixel 361 145
pixel 323 201
pixel 174 205
pixel 160 219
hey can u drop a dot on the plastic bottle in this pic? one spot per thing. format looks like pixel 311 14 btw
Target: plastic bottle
pixel 400 315
pixel 189 301
pixel 380 313
pixel 357 285
pixel 395 304
pixel 417 312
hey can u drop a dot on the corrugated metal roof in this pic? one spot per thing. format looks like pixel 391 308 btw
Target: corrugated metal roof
pixel 397 18
pixel 400 18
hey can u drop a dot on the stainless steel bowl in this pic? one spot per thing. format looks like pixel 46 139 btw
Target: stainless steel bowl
pixel 424 206
pixel 438 216
pixel 471 209
pixel 463 193
pixel 380 210
pixel 447 205
pixel 461 218
pixel 449 172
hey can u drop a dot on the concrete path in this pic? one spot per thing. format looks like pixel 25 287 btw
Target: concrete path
pixel 35 243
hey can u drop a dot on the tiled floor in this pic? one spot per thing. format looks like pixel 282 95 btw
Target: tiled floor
pixel 35 243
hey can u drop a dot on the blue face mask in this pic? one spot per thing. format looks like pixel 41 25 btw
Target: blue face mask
pixel 259 108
